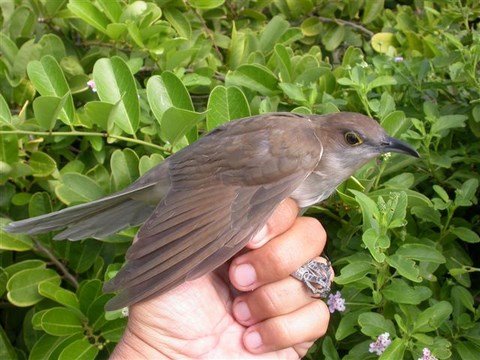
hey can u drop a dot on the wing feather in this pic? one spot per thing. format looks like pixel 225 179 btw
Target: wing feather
pixel 223 189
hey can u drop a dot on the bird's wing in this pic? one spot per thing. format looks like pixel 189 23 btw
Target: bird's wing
pixel 223 190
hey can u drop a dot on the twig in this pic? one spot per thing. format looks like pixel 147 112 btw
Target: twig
pixel 83 133
pixel 39 246
pixel 347 23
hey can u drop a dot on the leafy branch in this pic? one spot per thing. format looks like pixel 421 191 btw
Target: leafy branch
pixel 85 133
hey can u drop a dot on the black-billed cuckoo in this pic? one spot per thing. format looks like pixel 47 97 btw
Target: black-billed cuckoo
pixel 202 205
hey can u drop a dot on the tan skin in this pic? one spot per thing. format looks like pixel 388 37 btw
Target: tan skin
pixel 270 315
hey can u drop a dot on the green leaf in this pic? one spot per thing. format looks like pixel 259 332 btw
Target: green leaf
pixel 348 325
pixel 48 347
pixel 284 63
pixel 83 254
pixel 373 324
pixel 333 37
pixel 7 351
pixel 206 4
pixel 47 110
pixel 87 292
pixel 465 234
pixel 23 265
pixel 395 350
pixel 177 122
pixel 124 165
pixel 148 162
pixel 86 11
pixel 9 148
pixel 381 81
pixel 441 192
pixel 58 294
pixel 8 49
pixel 49 80
pixel 464 297
pixel 405 267
pixel 113 330
pixel 39 204
pixel 293 91
pixel 311 26
pixel 383 42
pixel 98 113
pixel 80 349
pixel 370 210
pixel 179 22
pixel 111 8
pixel 96 311
pixel 42 164
pixel 5 115
pixel 165 92
pixel 77 188
pixel 21 22
pixel 329 349
pixel 51 44
pixel 372 10
pixel 354 272
pixel 372 241
pixel 448 122
pixel 400 292
pixel 466 350
pixel 61 321
pixel 226 104
pixel 421 252
pixel 13 242
pixel 23 286
pixel 433 317
pixel 116 85
pixel 272 33
pixel 254 77
pixel 465 196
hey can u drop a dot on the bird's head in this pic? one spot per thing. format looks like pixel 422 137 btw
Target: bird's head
pixel 350 140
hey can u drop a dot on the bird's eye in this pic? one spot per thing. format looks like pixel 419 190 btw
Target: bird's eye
pixel 353 138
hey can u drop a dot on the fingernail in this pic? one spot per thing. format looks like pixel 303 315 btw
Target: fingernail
pixel 258 238
pixel 253 340
pixel 242 311
pixel 245 275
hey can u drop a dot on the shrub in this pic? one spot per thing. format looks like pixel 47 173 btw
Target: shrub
pixel 94 93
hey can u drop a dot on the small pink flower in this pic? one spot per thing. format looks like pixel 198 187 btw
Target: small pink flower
pixel 379 346
pixel 91 84
pixel 427 355
pixel 336 302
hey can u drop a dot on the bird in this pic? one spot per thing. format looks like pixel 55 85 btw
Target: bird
pixel 202 205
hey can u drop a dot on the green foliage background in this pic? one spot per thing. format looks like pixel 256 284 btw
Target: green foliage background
pixel 403 234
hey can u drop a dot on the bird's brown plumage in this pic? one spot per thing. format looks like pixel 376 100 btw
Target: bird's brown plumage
pixel 203 204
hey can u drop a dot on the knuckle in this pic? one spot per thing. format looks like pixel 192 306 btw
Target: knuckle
pixel 271 301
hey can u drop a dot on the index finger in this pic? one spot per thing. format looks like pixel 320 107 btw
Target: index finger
pixel 281 220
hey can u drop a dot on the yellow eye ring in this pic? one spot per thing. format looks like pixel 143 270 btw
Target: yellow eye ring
pixel 353 138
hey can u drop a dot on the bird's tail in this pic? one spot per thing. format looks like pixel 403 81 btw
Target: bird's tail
pixel 96 219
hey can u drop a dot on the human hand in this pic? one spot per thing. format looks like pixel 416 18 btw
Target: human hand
pixel 273 316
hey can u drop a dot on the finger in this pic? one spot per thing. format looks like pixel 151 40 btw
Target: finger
pixel 281 220
pixel 271 300
pixel 279 257
pixel 304 325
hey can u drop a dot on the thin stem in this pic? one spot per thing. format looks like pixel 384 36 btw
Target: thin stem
pixel 39 246
pixel 83 133
pixel 329 213
pixel 347 23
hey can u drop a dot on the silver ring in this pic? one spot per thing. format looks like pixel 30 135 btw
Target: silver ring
pixel 316 275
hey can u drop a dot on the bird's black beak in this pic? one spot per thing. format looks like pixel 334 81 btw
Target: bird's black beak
pixel 395 145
